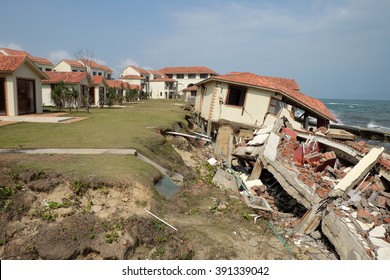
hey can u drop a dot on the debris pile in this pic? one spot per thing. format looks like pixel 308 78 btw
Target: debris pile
pixel 342 187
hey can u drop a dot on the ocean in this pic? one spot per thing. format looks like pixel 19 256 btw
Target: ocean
pixel 371 114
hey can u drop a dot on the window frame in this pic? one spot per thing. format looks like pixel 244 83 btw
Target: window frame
pixel 236 101
pixel 278 104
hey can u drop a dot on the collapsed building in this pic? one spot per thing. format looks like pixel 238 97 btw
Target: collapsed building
pixel 342 185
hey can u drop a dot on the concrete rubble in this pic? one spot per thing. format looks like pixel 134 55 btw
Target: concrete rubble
pixel 335 185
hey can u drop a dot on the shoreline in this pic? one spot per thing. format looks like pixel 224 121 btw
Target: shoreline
pixel 365 133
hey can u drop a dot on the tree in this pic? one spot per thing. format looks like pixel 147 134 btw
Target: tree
pixel 86 57
pixel 75 95
pixel 57 95
pixel 110 96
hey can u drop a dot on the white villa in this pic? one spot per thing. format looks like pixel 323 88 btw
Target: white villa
pixel 20 86
pixel 252 100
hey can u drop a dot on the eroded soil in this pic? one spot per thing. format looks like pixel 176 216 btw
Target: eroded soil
pixel 46 215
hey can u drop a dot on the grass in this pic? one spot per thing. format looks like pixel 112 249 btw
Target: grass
pixel 136 126
pixel 84 168
pixel 105 128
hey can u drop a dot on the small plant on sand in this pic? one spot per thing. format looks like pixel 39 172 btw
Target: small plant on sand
pixel 6 195
pixel 189 255
pixel 158 253
pixel 79 187
pixel 112 231
pixel 90 234
pixel 49 216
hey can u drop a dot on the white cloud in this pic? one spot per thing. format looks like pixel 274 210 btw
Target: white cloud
pixel 100 61
pixel 127 62
pixel 118 69
pixel 57 56
pixel 11 46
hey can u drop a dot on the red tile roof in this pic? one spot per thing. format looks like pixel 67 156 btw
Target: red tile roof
pixel 95 65
pixel 156 73
pixel 99 80
pixel 66 77
pixel 116 83
pixel 187 70
pixel 39 60
pixel 287 87
pixel 163 80
pixel 11 63
pixel 73 63
pixel 140 70
pixel 192 88
pixel 14 52
pixel 135 87
pixel 132 77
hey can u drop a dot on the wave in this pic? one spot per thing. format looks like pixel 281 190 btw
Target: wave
pixel 346 104
pixel 373 125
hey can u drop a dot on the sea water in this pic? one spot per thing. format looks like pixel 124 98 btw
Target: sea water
pixel 367 114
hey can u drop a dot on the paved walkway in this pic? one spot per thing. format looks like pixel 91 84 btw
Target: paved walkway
pixel 40 118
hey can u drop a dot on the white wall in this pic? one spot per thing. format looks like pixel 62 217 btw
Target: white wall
pixel 62 67
pixel 252 113
pixel 130 71
pixel 183 83
pixel 157 88
pixel 46 91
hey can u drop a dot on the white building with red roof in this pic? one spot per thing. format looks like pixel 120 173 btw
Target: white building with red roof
pixel 163 88
pixel 42 63
pixel 20 86
pixel 76 80
pixel 248 99
pixel 67 65
pixel 187 76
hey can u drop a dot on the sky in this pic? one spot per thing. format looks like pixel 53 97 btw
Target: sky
pixel 332 48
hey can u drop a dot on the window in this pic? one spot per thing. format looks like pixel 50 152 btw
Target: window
pixel 236 96
pixel 74 70
pixel 169 76
pixel 193 92
pixel 191 76
pixel 203 76
pixel 100 73
pixel 275 105
pixel 179 76
pixel 160 93
pixel 94 73
pixel 48 69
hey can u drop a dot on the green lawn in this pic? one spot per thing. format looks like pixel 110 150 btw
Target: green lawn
pixel 136 126
pixel 105 128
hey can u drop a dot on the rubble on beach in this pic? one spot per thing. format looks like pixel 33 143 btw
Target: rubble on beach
pixel 326 185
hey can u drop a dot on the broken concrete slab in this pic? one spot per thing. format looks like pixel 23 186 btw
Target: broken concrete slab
pixel 222 140
pixel 383 254
pixel 270 120
pixel 340 134
pixel 271 146
pixel 258 140
pixel 378 231
pixel 358 172
pixel 226 180
pixel 252 183
pixel 257 169
pixel 290 183
pixel 257 202
pixel 310 221
pixel 344 238
pixel 287 114
pixel 265 130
